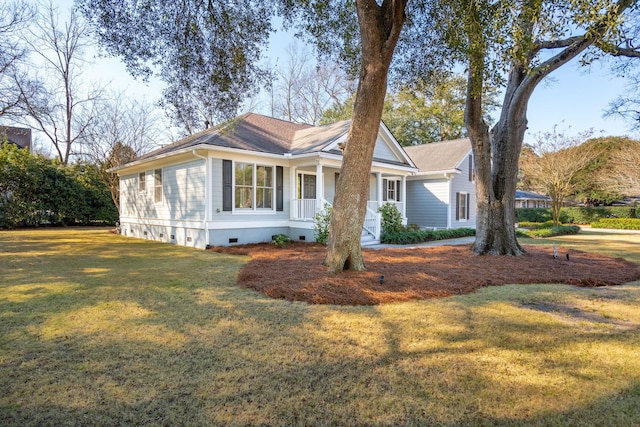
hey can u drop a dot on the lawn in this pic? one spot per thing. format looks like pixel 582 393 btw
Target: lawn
pixel 99 329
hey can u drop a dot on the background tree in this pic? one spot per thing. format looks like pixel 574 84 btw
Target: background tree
pixel 426 111
pixel 601 181
pixel 305 88
pixel 63 109
pixel 524 42
pixel 124 128
pixel 15 17
pixel 552 164
pixel 623 173
pixel 207 52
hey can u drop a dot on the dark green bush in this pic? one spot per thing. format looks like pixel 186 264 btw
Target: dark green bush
pixel 406 237
pixel 618 223
pixel 576 215
pixel 533 215
pixel 589 214
pixel 535 225
pixel 561 230
pixel 37 191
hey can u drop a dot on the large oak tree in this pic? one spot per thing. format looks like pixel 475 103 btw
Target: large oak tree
pixel 519 44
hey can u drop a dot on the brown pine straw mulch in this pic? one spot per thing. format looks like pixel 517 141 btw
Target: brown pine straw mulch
pixel 296 273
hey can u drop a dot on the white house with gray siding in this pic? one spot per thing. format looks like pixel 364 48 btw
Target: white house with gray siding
pixel 442 194
pixel 250 179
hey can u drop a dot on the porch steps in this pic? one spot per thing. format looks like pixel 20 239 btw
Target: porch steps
pixel 366 239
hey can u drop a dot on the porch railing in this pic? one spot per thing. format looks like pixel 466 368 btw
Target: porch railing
pixel 372 222
pixel 373 205
pixel 304 209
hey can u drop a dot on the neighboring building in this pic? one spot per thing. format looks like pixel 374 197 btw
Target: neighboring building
pixel 250 179
pixel 443 193
pixel 18 136
pixel 529 199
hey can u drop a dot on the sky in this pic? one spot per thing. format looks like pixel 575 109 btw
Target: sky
pixel 572 98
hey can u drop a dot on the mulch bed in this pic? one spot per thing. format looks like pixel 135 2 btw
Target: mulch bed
pixel 296 273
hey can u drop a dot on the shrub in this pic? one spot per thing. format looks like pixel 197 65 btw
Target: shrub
pixel 589 214
pixel 535 225
pixel 405 237
pixel 533 215
pixel 391 218
pixel 321 224
pixel 280 240
pixel 618 223
pixel 560 230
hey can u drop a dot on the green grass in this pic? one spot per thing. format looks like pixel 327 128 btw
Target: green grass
pixel 98 329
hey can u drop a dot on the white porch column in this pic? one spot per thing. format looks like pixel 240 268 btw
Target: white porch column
pixel 293 193
pixel 379 188
pixel 319 187
pixel 403 196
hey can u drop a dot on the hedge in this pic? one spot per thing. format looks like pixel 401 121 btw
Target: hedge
pixel 576 215
pixel 618 223
pixel 560 230
pixel 406 237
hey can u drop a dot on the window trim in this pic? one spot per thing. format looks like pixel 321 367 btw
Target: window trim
pixel 254 188
pixel 142 182
pixel 156 186
pixel 463 200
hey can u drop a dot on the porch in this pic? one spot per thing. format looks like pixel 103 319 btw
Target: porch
pixel 314 190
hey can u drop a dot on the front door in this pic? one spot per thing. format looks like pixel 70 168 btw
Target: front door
pixel 307 195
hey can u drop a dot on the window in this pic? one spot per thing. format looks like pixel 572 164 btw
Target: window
pixel 157 185
pixel 462 206
pixel 253 193
pixel 390 190
pixel 142 187
pixel 264 187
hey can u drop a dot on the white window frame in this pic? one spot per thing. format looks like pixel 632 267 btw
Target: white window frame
pixel 142 182
pixel 255 188
pixel 463 200
pixel 157 186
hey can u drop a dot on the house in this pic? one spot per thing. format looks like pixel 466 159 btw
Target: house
pixel 18 136
pixel 529 199
pixel 250 179
pixel 442 194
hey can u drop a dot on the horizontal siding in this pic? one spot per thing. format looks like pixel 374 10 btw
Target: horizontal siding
pixel 427 202
pixel 461 184
pixel 382 151
pixel 183 194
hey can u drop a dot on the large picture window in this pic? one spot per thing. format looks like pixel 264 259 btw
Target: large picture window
pixel 253 186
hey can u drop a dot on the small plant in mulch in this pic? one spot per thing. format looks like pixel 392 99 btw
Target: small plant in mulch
pixel 280 240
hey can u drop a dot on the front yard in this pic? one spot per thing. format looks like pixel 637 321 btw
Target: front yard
pixel 98 329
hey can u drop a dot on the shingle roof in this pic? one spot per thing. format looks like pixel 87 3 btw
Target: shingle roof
pixel 439 156
pixel 530 195
pixel 253 132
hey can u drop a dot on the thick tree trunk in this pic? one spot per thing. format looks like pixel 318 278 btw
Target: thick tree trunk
pixel 380 27
pixel 350 202
pixel 497 153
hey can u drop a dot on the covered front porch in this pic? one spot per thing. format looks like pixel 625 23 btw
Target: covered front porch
pixel 315 187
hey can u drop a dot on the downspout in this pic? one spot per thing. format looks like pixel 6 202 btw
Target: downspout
pixel 205 221
pixel 449 182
